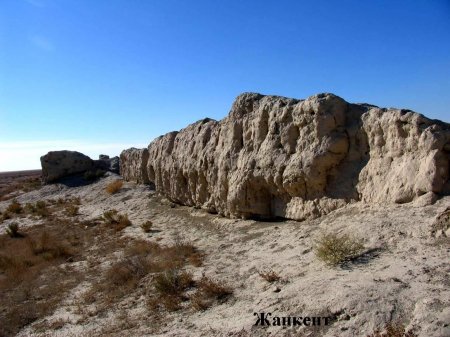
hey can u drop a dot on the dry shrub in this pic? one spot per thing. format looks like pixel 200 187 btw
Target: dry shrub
pixel 142 248
pixel 30 208
pixel 147 226
pixel 13 230
pixel 123 277
pixel 39 208
pixel 170 302
pixel 31 282
pixel 214 289
pixel 14 207
pixel 143 261
pixel 196 259
pixel 270 276
pixel 116 220
pixel 208 292
pixel 128 272
pixel 334 249
pixel 172 282
pixel 71 210
pixel 5 216
pixel 50 247
pixel 114 187
pixel 199 302
pixel 183 250
pixel 394 329
pixel 170 286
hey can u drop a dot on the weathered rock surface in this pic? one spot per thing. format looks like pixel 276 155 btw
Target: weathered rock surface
pixel 108 164
pixel 60 164
pixel 279 157
pixel 135 167
pixel 441 226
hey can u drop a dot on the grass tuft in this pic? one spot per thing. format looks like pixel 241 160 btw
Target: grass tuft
pixel 71 210
pixel 114 187
pixel 147 226
pixel 116 220
pixel 39 208
pixel 336 249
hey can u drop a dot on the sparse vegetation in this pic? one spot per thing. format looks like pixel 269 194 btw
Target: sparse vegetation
pixel 5 216
pixel 270 276
pixel 13 230
pixel 60 201
pixel 394 329
pixel 39 208
pixel 50 247
pixel 14 207
pixel 116 220
pixel 209 291
pixel 172 282
pixel 147 226
pixel 31 282
pixel 170 286
pixel 147 268
pixel 72 210
pixel 335 249
pixel 114 187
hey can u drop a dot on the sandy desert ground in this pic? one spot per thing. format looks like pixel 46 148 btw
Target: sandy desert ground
pixel 401 277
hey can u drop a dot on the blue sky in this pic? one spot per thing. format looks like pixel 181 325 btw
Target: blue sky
pixel 99 76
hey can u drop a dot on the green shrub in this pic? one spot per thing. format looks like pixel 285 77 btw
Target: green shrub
pixel 335 249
